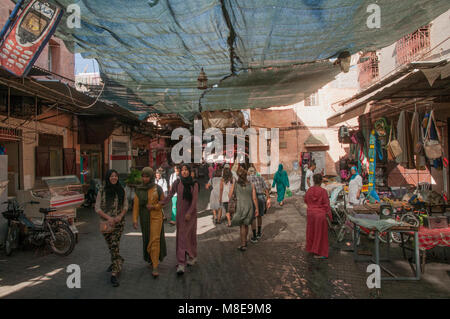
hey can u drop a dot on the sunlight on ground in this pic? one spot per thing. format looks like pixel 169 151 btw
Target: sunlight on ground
pixel 204 224
pixel 33 267
pixel 7 290
pixel 134 234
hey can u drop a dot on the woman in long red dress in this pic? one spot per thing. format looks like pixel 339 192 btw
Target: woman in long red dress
pixel 186 189
pixel 317 225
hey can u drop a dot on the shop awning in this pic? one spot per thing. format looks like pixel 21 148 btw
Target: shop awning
pixel 316 140
pixel 256 54
pixel 415 84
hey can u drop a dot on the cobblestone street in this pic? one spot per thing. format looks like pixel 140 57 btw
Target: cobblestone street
pixel 276 267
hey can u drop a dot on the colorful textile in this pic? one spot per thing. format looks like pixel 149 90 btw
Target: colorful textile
pixel 430 238
pixel 317 226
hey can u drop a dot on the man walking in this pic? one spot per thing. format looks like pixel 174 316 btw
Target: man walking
pixel 262 194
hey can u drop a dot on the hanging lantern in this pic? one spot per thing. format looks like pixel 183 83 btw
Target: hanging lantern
pixel 202 81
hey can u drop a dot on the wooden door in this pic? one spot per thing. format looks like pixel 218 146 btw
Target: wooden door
pixel 70 166
pixel 42 161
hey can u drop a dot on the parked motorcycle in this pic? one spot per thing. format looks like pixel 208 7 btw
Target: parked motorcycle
pixel 91 194
pixel 54 232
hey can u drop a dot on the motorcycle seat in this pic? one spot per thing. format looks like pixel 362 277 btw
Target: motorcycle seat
pixel 45 211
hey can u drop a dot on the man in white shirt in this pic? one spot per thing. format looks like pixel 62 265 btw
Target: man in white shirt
pixel 309 176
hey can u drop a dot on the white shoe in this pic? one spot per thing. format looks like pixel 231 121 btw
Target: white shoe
pixel 192 261
pixel 180 269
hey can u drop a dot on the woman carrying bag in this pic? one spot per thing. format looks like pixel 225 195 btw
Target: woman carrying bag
pixel 112 205
pixel 281 180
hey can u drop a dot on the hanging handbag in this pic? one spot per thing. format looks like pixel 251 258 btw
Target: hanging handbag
pixel 433 148
pixel 393 145
pixel 105 227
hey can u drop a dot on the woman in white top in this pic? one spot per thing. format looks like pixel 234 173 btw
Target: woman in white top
pixel 214 200
pixel 354 187
pixel 309 182
pixel 161 181
pixel 225 186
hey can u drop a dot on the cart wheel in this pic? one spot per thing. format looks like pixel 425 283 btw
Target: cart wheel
pixel 411 219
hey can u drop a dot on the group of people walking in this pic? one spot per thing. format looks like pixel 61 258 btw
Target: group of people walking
pixel 148 202
pixel 239 192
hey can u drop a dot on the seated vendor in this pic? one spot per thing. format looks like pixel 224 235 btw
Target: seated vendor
pixel 354 187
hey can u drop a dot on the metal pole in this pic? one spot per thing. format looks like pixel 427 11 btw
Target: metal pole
pixel 10 19
pixel 416 250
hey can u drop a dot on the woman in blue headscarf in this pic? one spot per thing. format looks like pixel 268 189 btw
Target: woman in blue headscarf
pixel 281 180
pixel 354 187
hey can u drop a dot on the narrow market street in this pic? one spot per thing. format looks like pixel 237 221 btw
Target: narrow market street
pixel 276 267
pixel 125 126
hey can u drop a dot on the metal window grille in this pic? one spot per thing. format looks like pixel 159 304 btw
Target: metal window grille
pixel 411 47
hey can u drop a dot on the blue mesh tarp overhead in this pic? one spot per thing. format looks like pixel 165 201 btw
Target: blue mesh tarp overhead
pixel 258 52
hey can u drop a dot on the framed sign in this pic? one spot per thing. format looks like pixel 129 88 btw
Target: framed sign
pixel 28 36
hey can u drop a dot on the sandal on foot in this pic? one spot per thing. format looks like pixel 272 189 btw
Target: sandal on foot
pixel 242 248
pixel 319 257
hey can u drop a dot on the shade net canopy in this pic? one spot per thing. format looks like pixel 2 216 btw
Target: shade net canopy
pixel 255 53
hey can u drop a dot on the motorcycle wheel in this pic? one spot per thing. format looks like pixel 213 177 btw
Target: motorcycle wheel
pixel 64 242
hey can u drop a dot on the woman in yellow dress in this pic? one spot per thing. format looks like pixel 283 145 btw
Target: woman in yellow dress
pixel 147 209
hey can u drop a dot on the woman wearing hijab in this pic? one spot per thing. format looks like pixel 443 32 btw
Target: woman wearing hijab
pixel 150 214
pixel 281 180
pixel 186 189
pixel 354 187
pixel 112 205
pixel 317 225
pixel 246 205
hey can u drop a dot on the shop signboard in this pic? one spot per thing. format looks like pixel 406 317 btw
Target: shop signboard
pixel 30 33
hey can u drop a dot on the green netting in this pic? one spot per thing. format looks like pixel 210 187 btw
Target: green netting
pixel 154 50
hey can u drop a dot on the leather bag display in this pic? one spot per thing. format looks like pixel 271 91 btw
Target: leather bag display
pixel 433 148
pixel 393 145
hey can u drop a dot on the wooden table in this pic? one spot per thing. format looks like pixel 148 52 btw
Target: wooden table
pixel 401 229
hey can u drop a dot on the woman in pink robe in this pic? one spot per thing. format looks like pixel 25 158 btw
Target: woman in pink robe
pixel 317 225
pixel 187 191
